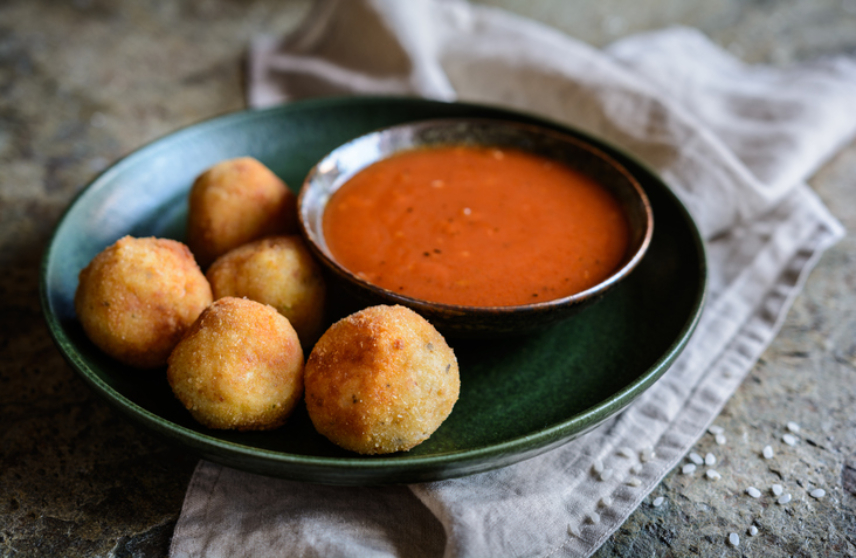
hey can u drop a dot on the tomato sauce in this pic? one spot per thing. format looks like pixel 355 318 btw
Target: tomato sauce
pixel 476 226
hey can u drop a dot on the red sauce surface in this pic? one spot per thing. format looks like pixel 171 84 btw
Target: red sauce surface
pixel 476 227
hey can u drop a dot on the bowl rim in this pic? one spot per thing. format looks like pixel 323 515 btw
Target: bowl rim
pixel 419 304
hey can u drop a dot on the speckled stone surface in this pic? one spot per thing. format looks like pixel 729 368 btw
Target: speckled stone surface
pixel 84 82
pixel 807 376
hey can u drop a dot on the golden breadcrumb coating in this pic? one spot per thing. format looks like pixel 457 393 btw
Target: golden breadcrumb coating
pixel 278 271
pixel 240 367
pixel 137 297
pixel 381 380
pixel 234 202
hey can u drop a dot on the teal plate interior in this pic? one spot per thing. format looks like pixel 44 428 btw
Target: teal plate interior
pixel 519 397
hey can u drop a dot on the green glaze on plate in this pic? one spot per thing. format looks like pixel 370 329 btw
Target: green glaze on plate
pixel 519 396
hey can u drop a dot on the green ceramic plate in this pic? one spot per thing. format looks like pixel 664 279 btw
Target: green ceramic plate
pixel 519 397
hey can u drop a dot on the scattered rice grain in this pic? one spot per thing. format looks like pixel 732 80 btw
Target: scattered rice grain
pixel 715 430
pixel 789 439
pixel 688 469
pixel 777 489
pixel 604 502
pixel 636 468
pixel 593 518
pixel 784 499
pixel 606 474
pixel 768 452
pixel 709 459
pixel 647 454
pixel 658 501
pixel 597 466
pixel 573 530
pixel 753 530
pixel 753 492
pixel 713 474
pixel 793 427
pixel 633 481
pixel 818 493
pixel 720 439
pixel 696 458
pixel 626 452
pixel 733 539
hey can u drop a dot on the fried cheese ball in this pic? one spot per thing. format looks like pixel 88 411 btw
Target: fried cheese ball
pixel 240 367
pixel 137 297
pixel 278 271
pixel 234 202
pixel 381 380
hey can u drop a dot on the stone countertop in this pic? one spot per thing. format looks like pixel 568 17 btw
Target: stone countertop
pixel 86 82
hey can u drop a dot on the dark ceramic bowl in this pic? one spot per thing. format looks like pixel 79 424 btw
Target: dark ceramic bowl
pixel 474 321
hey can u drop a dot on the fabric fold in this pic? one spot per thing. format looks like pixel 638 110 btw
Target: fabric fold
pixel 733 142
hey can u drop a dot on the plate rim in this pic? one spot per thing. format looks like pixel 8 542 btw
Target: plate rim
pixel 362 469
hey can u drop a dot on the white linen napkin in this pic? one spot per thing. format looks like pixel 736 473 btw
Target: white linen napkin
pixel 735 142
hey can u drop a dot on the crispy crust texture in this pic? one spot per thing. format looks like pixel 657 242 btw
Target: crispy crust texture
pixel 239 367
pixel 137 297
pixel 278 271
pixel 380 381
pixel 235 202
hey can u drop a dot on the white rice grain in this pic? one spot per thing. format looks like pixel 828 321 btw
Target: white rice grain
pixel 753 492
pixel 789 439
pixel 606 474
pixel 733 539
pixel 793 427
pixel 658 501
pixel 696 458
pixel 593 518
pixel 777 489
pixel 688 469
pixel 818 493
pixel 647 454
pixel 715 430
pixel 597 466
pixel 710 459
pixel 784 499
pixel 753 530
pixel 633 481
pixel 636 468
pixel 604 502
pixel 573 530
pixel 626 452
pixel 720 439
pixel 713 474
pixel 768 452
